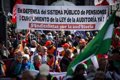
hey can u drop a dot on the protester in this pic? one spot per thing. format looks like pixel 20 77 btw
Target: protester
pixel 76 42
pixel 15 68
pixel 82 44
pixel 2 68
pixel 53 64
pixel 79 73
pixel 4 53
pixel 55 49
pixel 27 75
pixel 26 50
pixel 91 71
pixel 100 75
pixel 26 64
pixel 44 73
pixel 50 47
pixel 66 60
pixel 44 54
pixel 65 47
pixel 113 71
pixel 102 64
pixel 37 61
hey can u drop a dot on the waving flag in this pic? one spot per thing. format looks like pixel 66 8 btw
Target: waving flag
pixel 100 44
pixel 104 2
pixel 14 10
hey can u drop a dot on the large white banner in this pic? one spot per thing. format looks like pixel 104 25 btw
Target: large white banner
pixel 61 17
pixel 58 75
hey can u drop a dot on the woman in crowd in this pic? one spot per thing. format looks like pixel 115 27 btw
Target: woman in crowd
pixel 37 61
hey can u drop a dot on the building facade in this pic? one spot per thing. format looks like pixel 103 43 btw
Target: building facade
pixel 8 4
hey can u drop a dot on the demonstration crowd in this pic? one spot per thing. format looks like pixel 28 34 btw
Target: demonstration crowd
pixel 53 51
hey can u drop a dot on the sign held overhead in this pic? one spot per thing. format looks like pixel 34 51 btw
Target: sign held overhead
pixel 61 17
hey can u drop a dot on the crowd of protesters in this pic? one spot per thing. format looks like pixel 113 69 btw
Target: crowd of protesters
pixel 52 51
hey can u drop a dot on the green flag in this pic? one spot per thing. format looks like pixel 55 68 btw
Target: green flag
pixel 100 44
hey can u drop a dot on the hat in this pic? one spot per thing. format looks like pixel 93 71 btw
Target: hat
pixel 48 43
pixel 66 45
pixel 44 69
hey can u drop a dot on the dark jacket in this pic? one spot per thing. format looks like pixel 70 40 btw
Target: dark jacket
pixel 65 63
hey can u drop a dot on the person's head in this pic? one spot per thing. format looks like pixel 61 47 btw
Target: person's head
pixel 102 63
pixel 44 50
pixel 96 32
pixel 26 50
pixel 65 46
pixel 82 43
pixel 79 70
pixel 26 58
pixel 39 48
pixel 69 37
pixel 100 75
pixel 11 50
pixel 44 70
pixel 77 38
pixel 33 43
pixel 18 56
pixel 37 59
pixel 68 53
pixel 27 75
pixel 88 34
pixel 75 52
pixel 48 43
pixel 49 36
pixel 43 36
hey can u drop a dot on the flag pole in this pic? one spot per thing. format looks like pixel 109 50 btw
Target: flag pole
pixel 55 54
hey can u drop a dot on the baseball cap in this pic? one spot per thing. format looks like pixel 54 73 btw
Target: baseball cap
pixel 66 45
pixel 48 43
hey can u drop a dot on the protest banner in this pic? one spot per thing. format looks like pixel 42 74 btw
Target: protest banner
pixel 58 75
pixel 61 17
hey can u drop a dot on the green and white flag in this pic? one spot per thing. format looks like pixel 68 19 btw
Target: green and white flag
pixel 100 44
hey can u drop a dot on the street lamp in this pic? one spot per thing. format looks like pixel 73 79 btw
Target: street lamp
pixel 3 32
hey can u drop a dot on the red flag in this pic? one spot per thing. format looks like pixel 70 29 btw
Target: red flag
pixel 104 2
pixel 14 10
pixel 27 35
